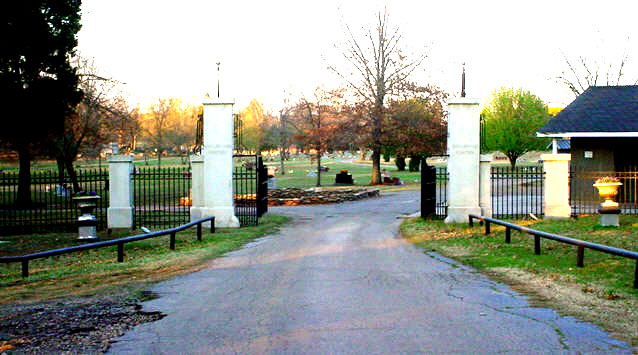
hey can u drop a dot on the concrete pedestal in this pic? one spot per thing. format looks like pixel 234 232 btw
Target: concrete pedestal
pixel 609 217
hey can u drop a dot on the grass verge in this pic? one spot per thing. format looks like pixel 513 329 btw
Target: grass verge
pixel 601 292
pixel 95 271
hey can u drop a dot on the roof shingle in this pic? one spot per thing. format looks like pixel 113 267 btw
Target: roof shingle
pixel 598 109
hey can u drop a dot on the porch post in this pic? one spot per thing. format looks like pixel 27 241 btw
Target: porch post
pixel 217 153
pixel 556 167
pixel 120 211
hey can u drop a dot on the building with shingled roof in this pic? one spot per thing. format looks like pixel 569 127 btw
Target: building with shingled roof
pixel 602 126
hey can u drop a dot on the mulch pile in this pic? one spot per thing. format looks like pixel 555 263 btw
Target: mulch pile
pixel 296 196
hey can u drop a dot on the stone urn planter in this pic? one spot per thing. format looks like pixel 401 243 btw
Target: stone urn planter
pixel 608 190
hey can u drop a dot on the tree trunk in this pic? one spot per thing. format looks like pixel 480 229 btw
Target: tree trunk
pixel 376 167
pixel 415 162
pixel 24 178
pixel 60 162
pixel 281 161
pixel 159 158
pixel 399 161
pixel 512 157
pixel 72 175
pixel 318 168
pixel 362 153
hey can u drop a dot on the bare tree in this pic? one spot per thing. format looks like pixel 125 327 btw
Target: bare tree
pixel 380 67
pixel 91 123
pixel 583 73
pixel 157 125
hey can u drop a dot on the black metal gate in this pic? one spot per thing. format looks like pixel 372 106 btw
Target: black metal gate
pixel 161 197
pixel 250 188
pixel 433 191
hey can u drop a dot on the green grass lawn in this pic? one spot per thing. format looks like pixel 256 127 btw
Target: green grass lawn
pixel 602 291
pixel 93 271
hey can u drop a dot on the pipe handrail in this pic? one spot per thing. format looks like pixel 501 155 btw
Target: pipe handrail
pixel 581 244
pixel 119 242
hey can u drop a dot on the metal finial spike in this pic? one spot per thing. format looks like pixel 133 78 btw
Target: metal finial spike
pixel 463 82
pixel 218 63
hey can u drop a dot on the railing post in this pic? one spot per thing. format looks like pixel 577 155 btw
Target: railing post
pixel 508 235
pixel 212 225
pixel 487 227
pixel 172 243
pixel 471 221
pixel 636 275
pixel 120 252
pixel 580 261
pixel 537 245
pixel 199 232
pixel 25 268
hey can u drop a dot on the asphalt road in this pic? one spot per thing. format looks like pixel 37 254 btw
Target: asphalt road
pixel 341 280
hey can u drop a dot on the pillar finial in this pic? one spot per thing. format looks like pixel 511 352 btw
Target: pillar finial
pixel 463 82
pixel 218 63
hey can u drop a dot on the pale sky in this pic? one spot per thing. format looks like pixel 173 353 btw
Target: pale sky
pixel 266 48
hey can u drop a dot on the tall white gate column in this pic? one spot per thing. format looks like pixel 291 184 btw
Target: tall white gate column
pixel 120 211
pixel 556 167
pixel 463 161
pixel 217 153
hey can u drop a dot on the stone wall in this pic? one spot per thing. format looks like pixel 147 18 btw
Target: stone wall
pixel 296 196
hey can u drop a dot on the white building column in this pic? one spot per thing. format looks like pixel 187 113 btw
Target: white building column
pixel 197 186
pixel 485 185
pixel 463 162
pixel 120 211
pixel 556 167
pixel 217 152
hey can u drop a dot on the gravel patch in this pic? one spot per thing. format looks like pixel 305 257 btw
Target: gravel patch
pixel 69 326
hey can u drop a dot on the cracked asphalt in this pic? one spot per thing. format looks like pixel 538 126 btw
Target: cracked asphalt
pixel 340 279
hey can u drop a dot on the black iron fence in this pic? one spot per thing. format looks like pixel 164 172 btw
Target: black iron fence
pixel 584 197
pixel 517 192
pixel 52 208
pixel 161 196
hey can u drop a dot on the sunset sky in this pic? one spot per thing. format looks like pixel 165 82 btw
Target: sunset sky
pixel 267 48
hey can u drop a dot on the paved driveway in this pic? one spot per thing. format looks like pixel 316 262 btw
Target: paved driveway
pixel 341 280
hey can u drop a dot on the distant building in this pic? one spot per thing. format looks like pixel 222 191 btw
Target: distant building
pixel 602 127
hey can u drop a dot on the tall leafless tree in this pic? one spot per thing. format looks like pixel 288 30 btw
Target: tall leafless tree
pixel 582 73
pixel 380 67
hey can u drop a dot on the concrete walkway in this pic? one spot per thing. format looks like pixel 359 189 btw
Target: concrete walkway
pixel 341 280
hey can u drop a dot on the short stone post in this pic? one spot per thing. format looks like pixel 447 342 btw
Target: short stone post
pixel 463 161
pixel 120 211
pixel 197 186
pixel 556 167
pixel 485 185
pixel 217 152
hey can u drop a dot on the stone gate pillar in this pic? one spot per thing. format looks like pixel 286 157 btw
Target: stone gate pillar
pixel 217 153
pixel 197 186
pixel 556 167
pixel 120 212
pixel 463 162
